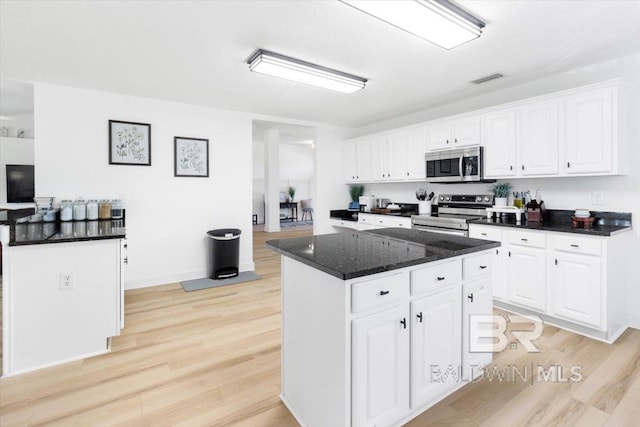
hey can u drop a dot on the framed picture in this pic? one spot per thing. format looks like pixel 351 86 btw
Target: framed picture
pixel 191 157
pixel 129 143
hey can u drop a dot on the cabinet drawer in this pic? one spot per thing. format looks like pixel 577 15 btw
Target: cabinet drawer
pixel 476 266
pixel 578 245
pixel 526 238
pixel 431 279
pixel 342 223
pixel 365 219
pixel 379 292
pixel 486 233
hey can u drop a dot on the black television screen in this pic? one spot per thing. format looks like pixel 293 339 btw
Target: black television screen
pixel 20 183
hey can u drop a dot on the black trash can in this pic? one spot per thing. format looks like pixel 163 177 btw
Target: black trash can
pixel 224 252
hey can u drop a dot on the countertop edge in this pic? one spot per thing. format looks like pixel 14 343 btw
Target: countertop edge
pixel 568 229
pixel 50 240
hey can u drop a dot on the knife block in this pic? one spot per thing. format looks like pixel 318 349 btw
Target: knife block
pixel 535 211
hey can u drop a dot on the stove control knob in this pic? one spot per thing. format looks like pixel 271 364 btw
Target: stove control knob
pixel 487 199
pixel 448 198
pixel 478 199
pixel 441 198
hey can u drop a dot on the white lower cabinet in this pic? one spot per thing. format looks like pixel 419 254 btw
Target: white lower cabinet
pixel 477 301
pixel 570 280
pixel 577 288
pixel 436 345
pixel 380 367
pixel 526 281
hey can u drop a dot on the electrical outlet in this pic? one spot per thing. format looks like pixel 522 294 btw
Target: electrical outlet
pixel 597 198
pixel 66 281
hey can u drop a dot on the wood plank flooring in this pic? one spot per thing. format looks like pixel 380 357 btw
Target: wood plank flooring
pixel 212 358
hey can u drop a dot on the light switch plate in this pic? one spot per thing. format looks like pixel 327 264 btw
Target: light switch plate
pixel 597 198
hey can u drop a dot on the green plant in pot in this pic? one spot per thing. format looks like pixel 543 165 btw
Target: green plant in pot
pixel 501 192
pixel 355 191
pixel 292 193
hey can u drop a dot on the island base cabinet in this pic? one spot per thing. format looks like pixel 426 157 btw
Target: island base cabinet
pixel 381 368
pixel 436 345
pixel 477 344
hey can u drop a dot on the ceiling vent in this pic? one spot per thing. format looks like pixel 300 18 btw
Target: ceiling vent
pixel 487 78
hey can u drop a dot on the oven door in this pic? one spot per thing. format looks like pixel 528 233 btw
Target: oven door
pixel 431 229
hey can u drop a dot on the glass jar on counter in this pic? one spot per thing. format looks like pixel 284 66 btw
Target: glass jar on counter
pixel 104 209
pixel 66 210
pixel 92 209
pixel 117 209
pixel 79 210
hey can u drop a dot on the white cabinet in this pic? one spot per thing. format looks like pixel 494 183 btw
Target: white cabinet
pixel 379 158
pixel 381 367
pixel 538 142
pixel 399 155
pixel 577 288
pixel 499 138
pixel 357 161
pixel 477 301
pixel 396 156
pixel 589 132
pixel 416 147
pixel 498 280
pixel 436 344
pixel 451 134
pixel 526 276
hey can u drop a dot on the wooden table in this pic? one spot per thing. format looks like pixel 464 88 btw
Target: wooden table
pixel 293 207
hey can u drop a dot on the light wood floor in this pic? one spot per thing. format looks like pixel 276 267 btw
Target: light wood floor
pixel 212 358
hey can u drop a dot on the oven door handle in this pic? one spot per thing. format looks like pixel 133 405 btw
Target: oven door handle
pixel 460 167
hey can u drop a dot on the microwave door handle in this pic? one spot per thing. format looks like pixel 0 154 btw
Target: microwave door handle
pixel 460 167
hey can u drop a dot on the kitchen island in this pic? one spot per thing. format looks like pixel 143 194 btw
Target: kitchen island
pixel 378 326
pixel 62 290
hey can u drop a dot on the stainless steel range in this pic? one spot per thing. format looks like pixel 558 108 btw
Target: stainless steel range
pixel 454 214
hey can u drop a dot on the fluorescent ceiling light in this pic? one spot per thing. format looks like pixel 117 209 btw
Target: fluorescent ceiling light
pixel 438 21
pixel 288 68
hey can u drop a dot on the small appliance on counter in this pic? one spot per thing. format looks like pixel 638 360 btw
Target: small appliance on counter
pixel 366 203
pixel 535 211
pixel 382 203
pixel 582 218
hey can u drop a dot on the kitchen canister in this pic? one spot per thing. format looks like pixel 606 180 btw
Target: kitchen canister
pixel 117 209
pixel 92 210
pixel 79 210
pixel 104 209
pixel 66 210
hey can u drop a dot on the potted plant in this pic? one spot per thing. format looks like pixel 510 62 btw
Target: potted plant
pixel 355 191
pixel 501 192
pixel 292 193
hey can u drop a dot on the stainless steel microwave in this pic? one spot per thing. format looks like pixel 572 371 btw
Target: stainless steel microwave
pixel 459 165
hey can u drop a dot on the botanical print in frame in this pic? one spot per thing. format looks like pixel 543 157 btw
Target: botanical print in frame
pixel 129 143
pixel 191 157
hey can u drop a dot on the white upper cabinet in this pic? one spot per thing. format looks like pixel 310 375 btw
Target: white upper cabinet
pixel 350 164
pixel 499 138
pixel 397 156
pixel 356 161
pixel 589 132
pixel 538 147
pixel 363 156
pixel 456 133
pixel 416 147
pixel 379 159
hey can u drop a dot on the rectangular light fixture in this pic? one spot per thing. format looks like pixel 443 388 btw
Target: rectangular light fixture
pixel 441 22
pixel 277 65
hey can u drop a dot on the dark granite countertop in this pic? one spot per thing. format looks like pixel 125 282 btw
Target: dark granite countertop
pixel 406 210
pixel 10 216
pixel 606 223
pixel 362 253
pixel 61 232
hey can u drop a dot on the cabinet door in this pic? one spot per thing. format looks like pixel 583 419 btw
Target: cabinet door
pixel 477 300
pixel 436 345
pixel 539 139
pixel 577 288
pixel 589 124
pixel 498 273
pixel 363 156
pixel 500 143
pixel 526 277
pixel 396 154
pixel 439 136
pixel 379 171
pixel 349 161
pixel 381 367
pixel 416 149
pixel 466 132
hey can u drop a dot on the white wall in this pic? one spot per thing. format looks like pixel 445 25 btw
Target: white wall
pixel 167 217
pixel 13 151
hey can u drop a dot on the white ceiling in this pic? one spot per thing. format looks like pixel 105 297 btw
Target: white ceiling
pixel 195 51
